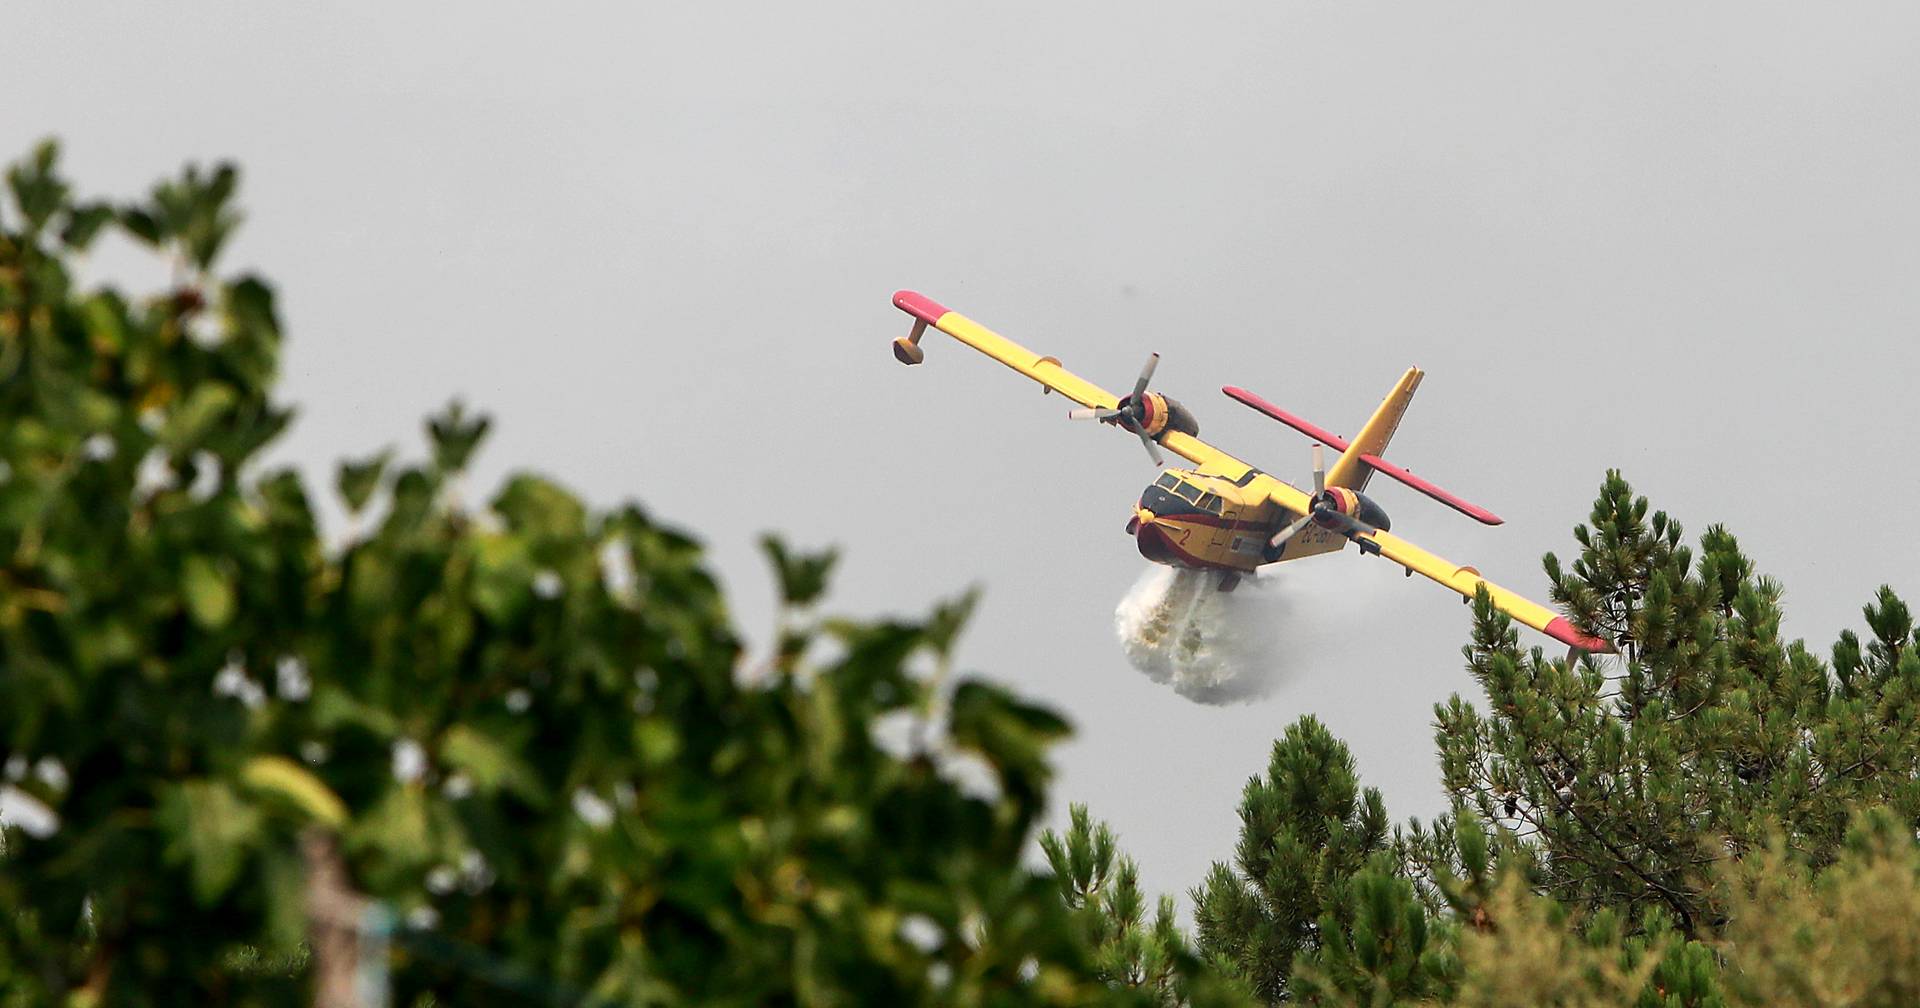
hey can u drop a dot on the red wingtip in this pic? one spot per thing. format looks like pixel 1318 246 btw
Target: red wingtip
pixel 1561 629
pixel 919 306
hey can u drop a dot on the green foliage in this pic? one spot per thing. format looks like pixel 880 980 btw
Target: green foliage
pixel 1390 953
pixel 144 592
pixel 529 724
pixel 1663 829
pixel 530 731
pixel 1849 935
pixel 1623 782
pixel 1306 828
pixel 1533 953
pixel 1106 890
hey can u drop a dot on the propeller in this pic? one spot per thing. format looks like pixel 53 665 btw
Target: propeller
pixel 1132 411
pixel 1322 509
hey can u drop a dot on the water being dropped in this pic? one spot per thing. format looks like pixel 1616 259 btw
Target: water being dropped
pixel 1212 647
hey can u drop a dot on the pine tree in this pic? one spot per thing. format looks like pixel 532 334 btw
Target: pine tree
pixel 1104 887
pixel 1306 829
pixel 1391 953
pixel 1623 779
pixel 1845 935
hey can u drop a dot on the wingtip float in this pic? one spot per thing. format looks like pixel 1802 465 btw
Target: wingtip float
pixel 1228 517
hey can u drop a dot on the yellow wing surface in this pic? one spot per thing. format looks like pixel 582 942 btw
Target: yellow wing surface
pixel 1048 372
pixel 1208 459
pixel 1467 581
pixel 1045 370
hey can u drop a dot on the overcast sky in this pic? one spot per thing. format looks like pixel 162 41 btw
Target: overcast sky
pixel 658 241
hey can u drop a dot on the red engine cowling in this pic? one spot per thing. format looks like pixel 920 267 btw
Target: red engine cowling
pixel 1164 414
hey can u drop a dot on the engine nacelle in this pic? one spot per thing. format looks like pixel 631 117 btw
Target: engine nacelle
pixel 1164 414
pixel 1353 504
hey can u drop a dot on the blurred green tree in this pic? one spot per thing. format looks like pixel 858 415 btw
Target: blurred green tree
pixel 526 729
pixel 1848 935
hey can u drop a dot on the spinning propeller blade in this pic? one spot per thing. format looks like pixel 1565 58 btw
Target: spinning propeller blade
pixel 1131 413
pixel 1290 531
pixel 1146 375
pixel 1321 508
pixel 1153 450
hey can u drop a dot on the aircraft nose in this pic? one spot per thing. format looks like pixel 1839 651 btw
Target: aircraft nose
pixel 1151 537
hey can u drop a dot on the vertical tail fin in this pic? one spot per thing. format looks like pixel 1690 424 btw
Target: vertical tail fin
pixel 1350 471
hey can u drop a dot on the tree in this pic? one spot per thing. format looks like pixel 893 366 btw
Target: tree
pixel 1105 887
pixel 1847 935
pixel 1306 828
pixel 1625 779
pixel 1392 952
pixel 527 729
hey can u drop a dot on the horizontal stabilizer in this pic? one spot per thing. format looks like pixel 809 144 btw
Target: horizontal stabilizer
pixel 1473 511
pixel 1373 462
pixel 1331 440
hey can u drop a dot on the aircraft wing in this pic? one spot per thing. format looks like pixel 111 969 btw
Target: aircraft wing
pixel 1045 370
pixel 1054 378
pixel 1467 580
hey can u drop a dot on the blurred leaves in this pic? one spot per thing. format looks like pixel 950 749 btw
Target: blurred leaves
pixel 802 576
pixel 529 726
pixel 454 436
pixel 357 480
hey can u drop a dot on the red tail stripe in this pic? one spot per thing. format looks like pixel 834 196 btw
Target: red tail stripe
pixel 1474 511
pixel 1334 441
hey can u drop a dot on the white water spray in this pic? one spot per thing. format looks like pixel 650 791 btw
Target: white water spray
pixel 1212 647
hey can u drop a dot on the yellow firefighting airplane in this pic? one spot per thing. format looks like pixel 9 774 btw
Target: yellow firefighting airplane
pixel 1224 515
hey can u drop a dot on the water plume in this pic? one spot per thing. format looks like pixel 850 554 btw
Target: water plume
pixel 1212 647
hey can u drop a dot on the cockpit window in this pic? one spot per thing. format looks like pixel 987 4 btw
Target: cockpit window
pixel 1210 502
pixel 1189 493
pixel 1168 482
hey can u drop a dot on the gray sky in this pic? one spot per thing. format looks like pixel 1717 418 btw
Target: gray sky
pixel 658 242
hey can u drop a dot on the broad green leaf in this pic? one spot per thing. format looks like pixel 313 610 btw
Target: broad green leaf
pixel 803 576
pixel 397 827
pixel 540 507
pixel 208 591
pixel 193 419
pixel 503 575
pixel 357 480
pixel 455 436
pixel 83 223
pixel 211 829
pixel 490 763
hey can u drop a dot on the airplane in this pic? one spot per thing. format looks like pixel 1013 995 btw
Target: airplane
pixel 1226 516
